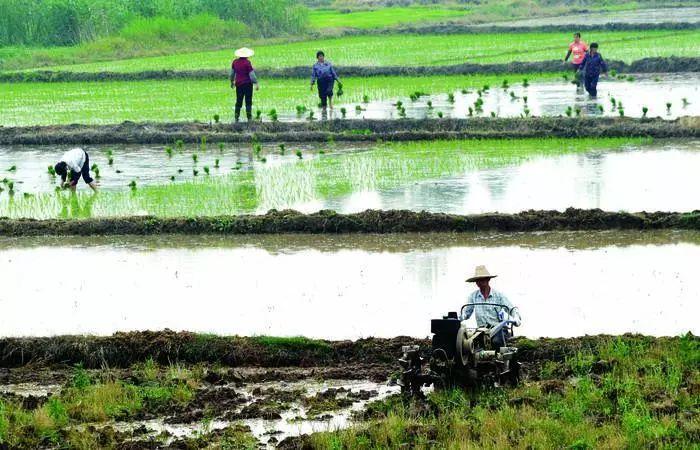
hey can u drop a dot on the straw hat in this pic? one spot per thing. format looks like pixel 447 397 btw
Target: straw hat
pixel 480 273
pixel 244 52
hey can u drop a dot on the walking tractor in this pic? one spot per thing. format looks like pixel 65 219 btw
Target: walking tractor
pixel 463 356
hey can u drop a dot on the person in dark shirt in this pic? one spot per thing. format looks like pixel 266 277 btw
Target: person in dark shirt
pixel 324 75
pixel 592 66
pixel 242 79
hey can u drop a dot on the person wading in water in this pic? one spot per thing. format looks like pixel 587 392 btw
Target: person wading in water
pixel 578 48
pixel 242 79
pixel 591 66
pixel 324 75
pixel 77 162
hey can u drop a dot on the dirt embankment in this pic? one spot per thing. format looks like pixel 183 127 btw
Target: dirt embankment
pixel 122 350
pixel 647 65
pixel 370 221
pixel 350 130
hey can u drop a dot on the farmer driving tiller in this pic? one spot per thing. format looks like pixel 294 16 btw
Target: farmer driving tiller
pixel 462 356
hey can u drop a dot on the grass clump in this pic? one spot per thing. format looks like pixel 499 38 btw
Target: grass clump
pixel 295 343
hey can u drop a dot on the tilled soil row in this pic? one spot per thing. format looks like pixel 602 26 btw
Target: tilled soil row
pixel 646 65
pixel 350 130
pixel 122 350
pixel 370 221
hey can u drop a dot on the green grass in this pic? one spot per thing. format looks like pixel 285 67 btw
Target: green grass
pixel 383 17
pixel 430 50
pixel 316 177
pixel 648 400
pixel 294 343
pixel 187 100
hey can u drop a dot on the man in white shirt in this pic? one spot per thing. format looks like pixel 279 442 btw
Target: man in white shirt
pixel 73 164
pixel 487 302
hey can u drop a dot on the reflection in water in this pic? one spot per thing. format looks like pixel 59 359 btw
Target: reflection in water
pixel 348 286
pixel 651 15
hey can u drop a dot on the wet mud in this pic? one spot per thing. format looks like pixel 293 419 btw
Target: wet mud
pixel 647 65
pixel 350 130
pixel 370 221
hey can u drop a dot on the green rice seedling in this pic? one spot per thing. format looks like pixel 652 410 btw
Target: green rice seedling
pixel 621 112
pixel 206 170
pixel 470 111
pixel 321 152
pixel 613 73
pixel 439 114
pixel 301 109
pixel 645 110
pixel 12 169
pixel 620 77
pixel 577 111
pixel 272 114
pixel 169 151
pixel 299 155
pixel 526 83
pixel 657 79
pixel 685 102
pixel 11 187
pixel 172 177
pixel 52 171
pixel 97 172
pixel 451 97
pixel 668 106
pixel 110 161
pixel 195 172
pixel 319 105
pixel 398 104
pixel 282 148
pixel 569 111
pixel 310 116
pixel 216 163
pixel 630 78
pixel 479 92
pixel 203 143
pixel 118 171
pixel 505 85
pixel 358 109
pixel 402 112
pixel 343 112
pixel 493 114
pixel 179 145
pixel 465 91
pixel 258 115
pixel 93 167
pixel 365 98
pixel 216 118
pixel 486 88
pixel 430 104
pixel 27 195
pixel 525 99
pixel 257 149
pixel 132 185
pixel 194 158
pixel 221 147
pixel 513 96
pixel 526 111
pixel 180 170
pixel 600 108
pixel 565 77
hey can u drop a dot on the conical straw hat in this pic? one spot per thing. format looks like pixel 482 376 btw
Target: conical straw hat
pixel 480 272
pixel 244 52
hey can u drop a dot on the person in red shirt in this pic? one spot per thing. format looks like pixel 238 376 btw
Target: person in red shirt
pixel 242 79
pixel 578 48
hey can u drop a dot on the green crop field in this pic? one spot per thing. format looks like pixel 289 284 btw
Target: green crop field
pixel 380 18
pixel 261 185
pixel 187 100
pixel 422 50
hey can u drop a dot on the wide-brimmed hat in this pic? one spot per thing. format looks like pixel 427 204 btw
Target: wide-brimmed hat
pixel 480 273
pixel 244 52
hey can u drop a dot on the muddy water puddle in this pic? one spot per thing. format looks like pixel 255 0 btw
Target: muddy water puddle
pixel 553 98
pixel 626 179
pixel 297 415
pixel 336 287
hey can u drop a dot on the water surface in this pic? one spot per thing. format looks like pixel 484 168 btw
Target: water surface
pixel 338 287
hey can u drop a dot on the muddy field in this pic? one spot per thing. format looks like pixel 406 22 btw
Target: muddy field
pixel 241 392
pixel 370 221
pixel 646 65
pixel 350 130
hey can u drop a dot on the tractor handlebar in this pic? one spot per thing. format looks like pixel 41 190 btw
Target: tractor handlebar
pixel 510 310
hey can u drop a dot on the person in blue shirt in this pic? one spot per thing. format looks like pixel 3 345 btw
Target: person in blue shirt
pixel 324 75
pixel 591 67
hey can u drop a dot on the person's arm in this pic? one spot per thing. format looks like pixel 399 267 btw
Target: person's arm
pixel 335 74
pixel 566 58
pixel 253 77
pixel 516 314
pixel 469 310
pixel 584 61
pixel 603 65
pixel 232 77
pixel 93 185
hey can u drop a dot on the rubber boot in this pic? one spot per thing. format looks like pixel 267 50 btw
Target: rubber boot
pixel 249 115
pixel 237 115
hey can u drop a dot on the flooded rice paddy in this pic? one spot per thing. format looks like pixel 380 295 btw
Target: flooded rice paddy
pixel 337 287
pixel 651 15
pixel 652 91
pixel 461 177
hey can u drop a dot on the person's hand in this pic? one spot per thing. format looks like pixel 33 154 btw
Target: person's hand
pixel 257 87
